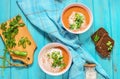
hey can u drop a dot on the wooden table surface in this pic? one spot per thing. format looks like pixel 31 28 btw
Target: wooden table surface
pixel 106 13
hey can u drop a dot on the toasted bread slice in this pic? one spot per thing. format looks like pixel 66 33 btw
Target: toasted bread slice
pixel 98 34
pixel 105 46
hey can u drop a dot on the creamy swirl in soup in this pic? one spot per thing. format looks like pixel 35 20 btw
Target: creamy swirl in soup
pixel 55 59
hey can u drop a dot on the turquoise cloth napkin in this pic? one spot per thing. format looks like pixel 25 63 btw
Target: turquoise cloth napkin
pixel 45 16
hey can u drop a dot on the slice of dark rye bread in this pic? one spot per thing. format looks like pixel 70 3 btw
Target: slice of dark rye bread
pixel 99 33
pixel 105 46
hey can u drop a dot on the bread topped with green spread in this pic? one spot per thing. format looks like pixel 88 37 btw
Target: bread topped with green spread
pixel 105 46
pixel 103 42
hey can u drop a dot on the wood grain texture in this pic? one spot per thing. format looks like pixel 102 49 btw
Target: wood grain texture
pixel 106 13
pixel 4 15
pixel 102 18
pixel 115 31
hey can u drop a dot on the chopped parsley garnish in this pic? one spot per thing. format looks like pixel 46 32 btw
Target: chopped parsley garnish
pixel 109 44
pixel 110 48
pixel 79 19
pixel 57 59
pixel 3 26
pixel 24 41
pixel 96 38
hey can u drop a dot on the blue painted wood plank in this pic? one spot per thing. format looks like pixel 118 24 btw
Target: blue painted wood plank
pixel 102 18
pixel 35 71
pixel 115 20
pixel 4 15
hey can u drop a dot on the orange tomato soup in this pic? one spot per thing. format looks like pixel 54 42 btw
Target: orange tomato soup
pixel 68 12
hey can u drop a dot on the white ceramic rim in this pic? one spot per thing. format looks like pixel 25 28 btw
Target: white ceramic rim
pixel 55 45
pixel 86 8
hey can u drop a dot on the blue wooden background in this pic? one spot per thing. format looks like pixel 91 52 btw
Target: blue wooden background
pixel 106 13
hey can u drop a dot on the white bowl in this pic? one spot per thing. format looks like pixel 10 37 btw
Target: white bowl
pixel 84 7
pixel 47 47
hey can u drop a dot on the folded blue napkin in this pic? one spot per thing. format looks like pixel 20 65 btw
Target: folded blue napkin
pixel 45 16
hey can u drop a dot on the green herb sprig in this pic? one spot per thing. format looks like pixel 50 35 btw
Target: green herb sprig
pixel 3 26
pixel 24 41
pixel 57 59
pixel 79 19
pixel 96 38
pixel 11 64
